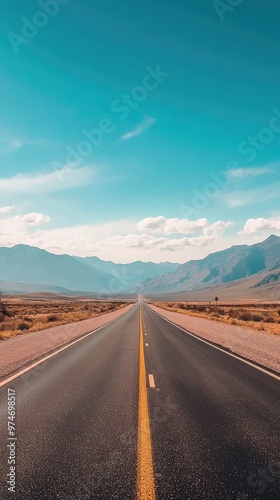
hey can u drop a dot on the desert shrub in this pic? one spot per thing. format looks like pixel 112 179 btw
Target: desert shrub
pixel 270 319
pixel 257 317
pixel 2 317
pixel 233 322
pixel 279 312
pixel 26 318
pixel 214 315
pixel 181 305
pixel 4 310
pixel 200 308
pixel 23 326
pixel 233 313
pixel 52 318
pixel 186 307
pixel 220 311
pixel 245 316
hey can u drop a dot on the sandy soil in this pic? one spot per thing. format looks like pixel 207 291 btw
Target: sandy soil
pixel 19 351
pixel 251 344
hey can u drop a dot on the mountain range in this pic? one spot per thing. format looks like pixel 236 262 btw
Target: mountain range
pixel 24 268
pixel 221 269
pixel 250 270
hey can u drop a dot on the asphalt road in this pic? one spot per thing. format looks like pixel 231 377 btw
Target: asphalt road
pixel 213 420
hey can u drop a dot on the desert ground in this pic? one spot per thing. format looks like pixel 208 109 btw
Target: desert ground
pixel 24 314
pixel 262 316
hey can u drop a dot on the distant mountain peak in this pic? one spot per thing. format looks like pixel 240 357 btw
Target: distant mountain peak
pixel 217 269
pixel 272 237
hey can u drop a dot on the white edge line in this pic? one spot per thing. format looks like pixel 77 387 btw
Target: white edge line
pixel 152 381
pixel 18 374
pixel 277 377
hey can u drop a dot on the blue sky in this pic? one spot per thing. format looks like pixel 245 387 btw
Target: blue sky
pixel 142 130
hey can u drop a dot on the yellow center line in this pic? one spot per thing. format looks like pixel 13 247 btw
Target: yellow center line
pixel 145 469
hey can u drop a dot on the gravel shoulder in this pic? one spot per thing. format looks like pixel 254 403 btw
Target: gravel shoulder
pixel 19 351
pixel 257 346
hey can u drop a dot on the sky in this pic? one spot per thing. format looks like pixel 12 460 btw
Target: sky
pixel 139 130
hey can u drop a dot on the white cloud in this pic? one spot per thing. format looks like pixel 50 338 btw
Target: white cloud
pixel 216 228
pixel 251 196
pixel 119 241
pixel 152 223
pixel 57 180
pixel 9 142
pixel 162 225
pixel 152 243
pixel 253 226
pixel 241 173
pixel 140 128
pixel 6 210
pixel 33 219
pixel 15 143
pixel 75 240
pixel 21 228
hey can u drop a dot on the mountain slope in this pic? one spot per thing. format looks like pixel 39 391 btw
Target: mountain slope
pixel 12 287
pixel 218 268
pixel 130 274
pixel 246 289
pixel 27 264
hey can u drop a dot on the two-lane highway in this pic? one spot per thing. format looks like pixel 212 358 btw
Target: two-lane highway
pixel 142 410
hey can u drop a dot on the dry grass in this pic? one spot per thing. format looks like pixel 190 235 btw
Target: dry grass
pixel 259 316
pixel 21 316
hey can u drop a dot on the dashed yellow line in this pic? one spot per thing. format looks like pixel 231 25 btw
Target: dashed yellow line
pixel 145 469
